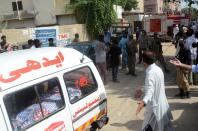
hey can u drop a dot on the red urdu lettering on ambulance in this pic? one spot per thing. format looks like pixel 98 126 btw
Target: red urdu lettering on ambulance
pixel 88 105
pixel 32 65
pixel 57 126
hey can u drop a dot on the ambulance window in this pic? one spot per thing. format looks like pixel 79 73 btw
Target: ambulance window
pixel 28 106
pixel 79 83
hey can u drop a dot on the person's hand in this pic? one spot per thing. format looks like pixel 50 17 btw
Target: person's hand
pixel 140 106
pixel 138 93
pixel 175 62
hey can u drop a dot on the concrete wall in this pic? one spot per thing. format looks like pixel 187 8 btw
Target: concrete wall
pixel 16 36
pixel 140 7
pixel 153 6
pixel 13 24
pixel 28 5
pixel 66 19
pixel 160 6
pixel 45 12
pixel 6 7
pixel 20 36
pixel 60 6
pixel 150 2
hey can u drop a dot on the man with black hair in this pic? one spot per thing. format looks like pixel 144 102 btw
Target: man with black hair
pixel 4 45
pixel 115 53
pixel 157 114
pixel 37 43
pixel 76 39
pixel 131 51
pixel 51 42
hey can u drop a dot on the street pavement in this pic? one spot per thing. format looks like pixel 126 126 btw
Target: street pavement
pixel 122 104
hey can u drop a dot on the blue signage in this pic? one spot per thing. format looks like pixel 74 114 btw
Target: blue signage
pixel 43 34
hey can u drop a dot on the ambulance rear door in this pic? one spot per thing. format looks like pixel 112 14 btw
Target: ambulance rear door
pixel 86 94
pixel 38 105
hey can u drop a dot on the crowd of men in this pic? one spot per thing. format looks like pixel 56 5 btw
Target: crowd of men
pixel 31 43
pixel 5 46
pixel 122 51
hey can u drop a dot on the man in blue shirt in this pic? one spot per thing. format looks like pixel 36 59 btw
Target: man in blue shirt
pixel 123 45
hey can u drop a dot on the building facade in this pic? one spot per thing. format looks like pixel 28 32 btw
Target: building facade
pixel 140 7
pixel 153 6
pixel 34 13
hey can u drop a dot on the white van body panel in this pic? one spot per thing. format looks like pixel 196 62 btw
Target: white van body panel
pixel 25 68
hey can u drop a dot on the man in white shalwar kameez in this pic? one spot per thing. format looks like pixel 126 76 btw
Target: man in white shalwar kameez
pixel 157 113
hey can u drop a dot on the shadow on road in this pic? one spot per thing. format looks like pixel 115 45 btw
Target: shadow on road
pixel 170 92
pixel 128 84
pixel 130 125
pixel 187 121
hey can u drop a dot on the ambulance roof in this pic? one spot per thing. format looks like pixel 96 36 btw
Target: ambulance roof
pixel 18 67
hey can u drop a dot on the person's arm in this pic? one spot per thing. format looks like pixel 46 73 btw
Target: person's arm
pixel 149 90
pixel 177 63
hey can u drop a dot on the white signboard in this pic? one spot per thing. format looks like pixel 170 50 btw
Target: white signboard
pixel 63 39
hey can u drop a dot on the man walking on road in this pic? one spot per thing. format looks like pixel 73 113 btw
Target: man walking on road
pixel 157 113
pixel 143 44
pixel 156 47
pixel 115 53
pixel 131 51
pixel 100 53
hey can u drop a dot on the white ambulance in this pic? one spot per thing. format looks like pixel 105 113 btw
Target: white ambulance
pixel 50 89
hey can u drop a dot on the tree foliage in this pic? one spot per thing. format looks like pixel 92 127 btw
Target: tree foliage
pixel 191 2
pixel 127 5
pixel 97 14
pixel 193 11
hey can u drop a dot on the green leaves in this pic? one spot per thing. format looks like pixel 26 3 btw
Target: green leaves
pixel 130 4
pixel 193 12
pixel 96 14
pixel 127 5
